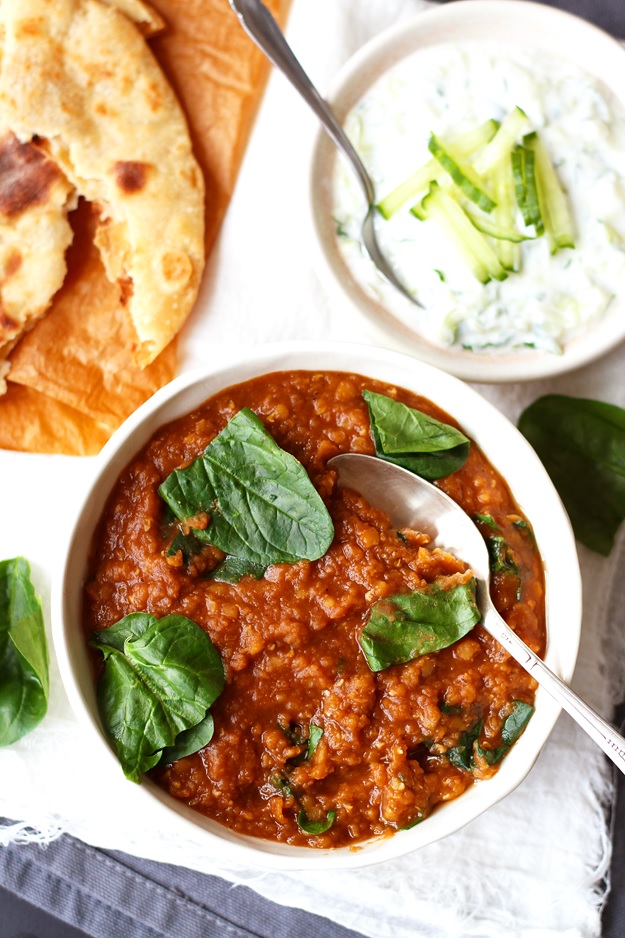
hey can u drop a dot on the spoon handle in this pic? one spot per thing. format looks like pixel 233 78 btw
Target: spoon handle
pixel 260 25
pixel 603 733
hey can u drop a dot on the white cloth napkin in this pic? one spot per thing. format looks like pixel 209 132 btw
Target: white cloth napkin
pixel 532 867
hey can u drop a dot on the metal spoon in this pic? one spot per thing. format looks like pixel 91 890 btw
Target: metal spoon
pixel 260 25
pixel 410 501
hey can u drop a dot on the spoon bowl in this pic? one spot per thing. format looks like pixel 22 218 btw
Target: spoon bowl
pixel 411 501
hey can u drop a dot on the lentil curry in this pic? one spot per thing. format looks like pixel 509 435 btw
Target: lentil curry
pixel 310 746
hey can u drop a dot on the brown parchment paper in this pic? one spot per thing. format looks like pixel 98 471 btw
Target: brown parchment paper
pixel 72 380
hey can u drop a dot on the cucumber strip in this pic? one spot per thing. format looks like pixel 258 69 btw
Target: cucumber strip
pixel 494 228
pixel 508 251
pixel 473 140
pixel 500 146
pixel 410 189
pixel 441 207
pixel 509 254
pixel 505 215
pixel 524 175
pixel 466 144
pixel 462 173
pixel 551 197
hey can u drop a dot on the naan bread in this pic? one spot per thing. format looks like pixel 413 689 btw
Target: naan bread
pixel 78 75
pixel 35 197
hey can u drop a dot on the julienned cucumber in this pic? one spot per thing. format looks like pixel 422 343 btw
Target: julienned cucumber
pixel 441 207
pixel 553 204
pixel 502 230
pixel 508 249
pixel 479 187
pixel 499 147
pixel 467 145
pixel 526 188
pixel 468 181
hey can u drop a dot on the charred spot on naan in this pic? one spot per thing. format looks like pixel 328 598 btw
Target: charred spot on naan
pixel 131 175
pixel 26 175
pixel 8 326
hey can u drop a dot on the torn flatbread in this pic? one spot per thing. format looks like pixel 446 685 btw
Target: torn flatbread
pixel 35 198
pixel 79 75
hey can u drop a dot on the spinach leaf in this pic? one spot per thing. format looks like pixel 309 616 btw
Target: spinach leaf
pixel 188 545
pixel 409 438
pixel 24 677
pixel 296 737
pixel 524 526
pixel 263 507
pixel 515 722
pixel 488 520
pixel 406 626
pixel 314 735
pixel 513 726
pixel 283 784
pixel 160 678
pixel 463 754
pixel 501 560
pixel 582 446
pixel 232 570
pixel 293 733
pixel 500 556
pixel 315 827
pixel 190 741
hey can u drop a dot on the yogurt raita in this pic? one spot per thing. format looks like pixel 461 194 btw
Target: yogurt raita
pixel 451 89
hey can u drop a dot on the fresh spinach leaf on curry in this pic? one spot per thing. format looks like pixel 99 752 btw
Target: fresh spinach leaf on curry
pixel 409 438
pixel 253 500
pixel 160 678
pixel 407 625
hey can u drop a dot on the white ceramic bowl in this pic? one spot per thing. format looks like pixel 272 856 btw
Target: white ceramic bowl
pixel 509 453
pixel 560 36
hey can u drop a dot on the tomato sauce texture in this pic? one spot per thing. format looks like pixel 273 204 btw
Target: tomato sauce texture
pixel 289 641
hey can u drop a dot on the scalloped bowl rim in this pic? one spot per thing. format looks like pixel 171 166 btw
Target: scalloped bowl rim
pixel 530 24
pixel 507 450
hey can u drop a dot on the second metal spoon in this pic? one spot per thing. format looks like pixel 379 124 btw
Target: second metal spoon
pixel 260 25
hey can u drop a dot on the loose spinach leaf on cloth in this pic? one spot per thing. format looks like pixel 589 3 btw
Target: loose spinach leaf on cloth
pixel 160 678
pixel 408 625
pixel 24 678
pixel 409 438
pixel 263 508
pixel 582 446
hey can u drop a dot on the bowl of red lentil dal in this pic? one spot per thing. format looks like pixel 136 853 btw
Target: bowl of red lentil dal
pixel 318 749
